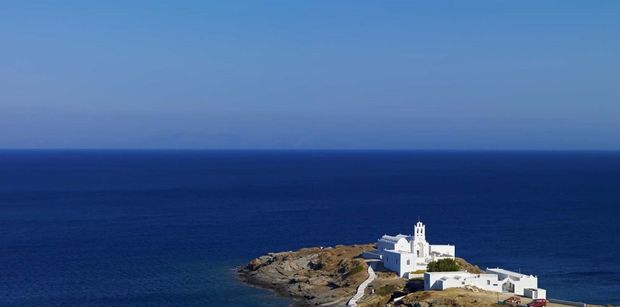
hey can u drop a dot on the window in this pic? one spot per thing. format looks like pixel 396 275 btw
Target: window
pixel 488 282
pixel 408 262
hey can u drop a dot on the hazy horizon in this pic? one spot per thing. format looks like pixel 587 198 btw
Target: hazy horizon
pixel 308 75
pixel 335 150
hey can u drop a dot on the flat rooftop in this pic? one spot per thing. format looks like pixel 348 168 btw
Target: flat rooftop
pixel 506 272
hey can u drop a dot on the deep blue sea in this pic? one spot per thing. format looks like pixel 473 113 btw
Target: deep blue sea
pixel 161 228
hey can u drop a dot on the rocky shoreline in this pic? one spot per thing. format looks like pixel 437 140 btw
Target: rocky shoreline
pixel 330 276
pixel 312 276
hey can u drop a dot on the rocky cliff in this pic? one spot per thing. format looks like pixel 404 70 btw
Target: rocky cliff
pixel 315 276
pixel 330 276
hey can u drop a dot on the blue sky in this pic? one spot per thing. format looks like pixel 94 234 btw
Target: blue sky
pixel 310 74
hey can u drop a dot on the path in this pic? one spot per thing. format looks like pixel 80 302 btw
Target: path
pixel 362 287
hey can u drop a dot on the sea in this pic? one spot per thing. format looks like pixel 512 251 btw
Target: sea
pixel 168 228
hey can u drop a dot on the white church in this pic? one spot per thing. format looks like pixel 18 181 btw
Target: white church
pixel 406 254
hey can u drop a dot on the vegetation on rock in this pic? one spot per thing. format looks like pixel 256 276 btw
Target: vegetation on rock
pixel 386 290
pixel 468 266
pixel 443 265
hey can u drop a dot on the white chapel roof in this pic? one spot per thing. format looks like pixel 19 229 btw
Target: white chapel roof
pixel 393 239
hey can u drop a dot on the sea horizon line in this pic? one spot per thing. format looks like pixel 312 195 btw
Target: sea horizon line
pixel 303 150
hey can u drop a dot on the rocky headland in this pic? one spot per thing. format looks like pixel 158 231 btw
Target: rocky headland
pixel 330 276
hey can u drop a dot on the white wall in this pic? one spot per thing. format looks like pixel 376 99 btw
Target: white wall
pixel 382 246
pixel 445 280
pixel 541 293
pixel 407 263
pixel 400 245
pixel 536 293
pixel 450 283
pixel 488 282
pixel 391 261
pixel 433 280
pixel 401 263
pixel 420 248
pixel 443 249
pixel 520 281
pixel 525 282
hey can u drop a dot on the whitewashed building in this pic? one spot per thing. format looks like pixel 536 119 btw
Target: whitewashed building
pixel 461 279
pixel 518 283
pixel 405 254
pixel 496 280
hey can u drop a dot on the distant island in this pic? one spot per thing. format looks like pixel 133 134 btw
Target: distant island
pixel 365 275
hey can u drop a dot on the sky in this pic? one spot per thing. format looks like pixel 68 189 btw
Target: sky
pixel 232 74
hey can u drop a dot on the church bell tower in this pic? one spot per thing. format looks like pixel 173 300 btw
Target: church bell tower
pixel 419 231
pixel 419 246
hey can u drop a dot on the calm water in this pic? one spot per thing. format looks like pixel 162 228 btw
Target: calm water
pixel 165 228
